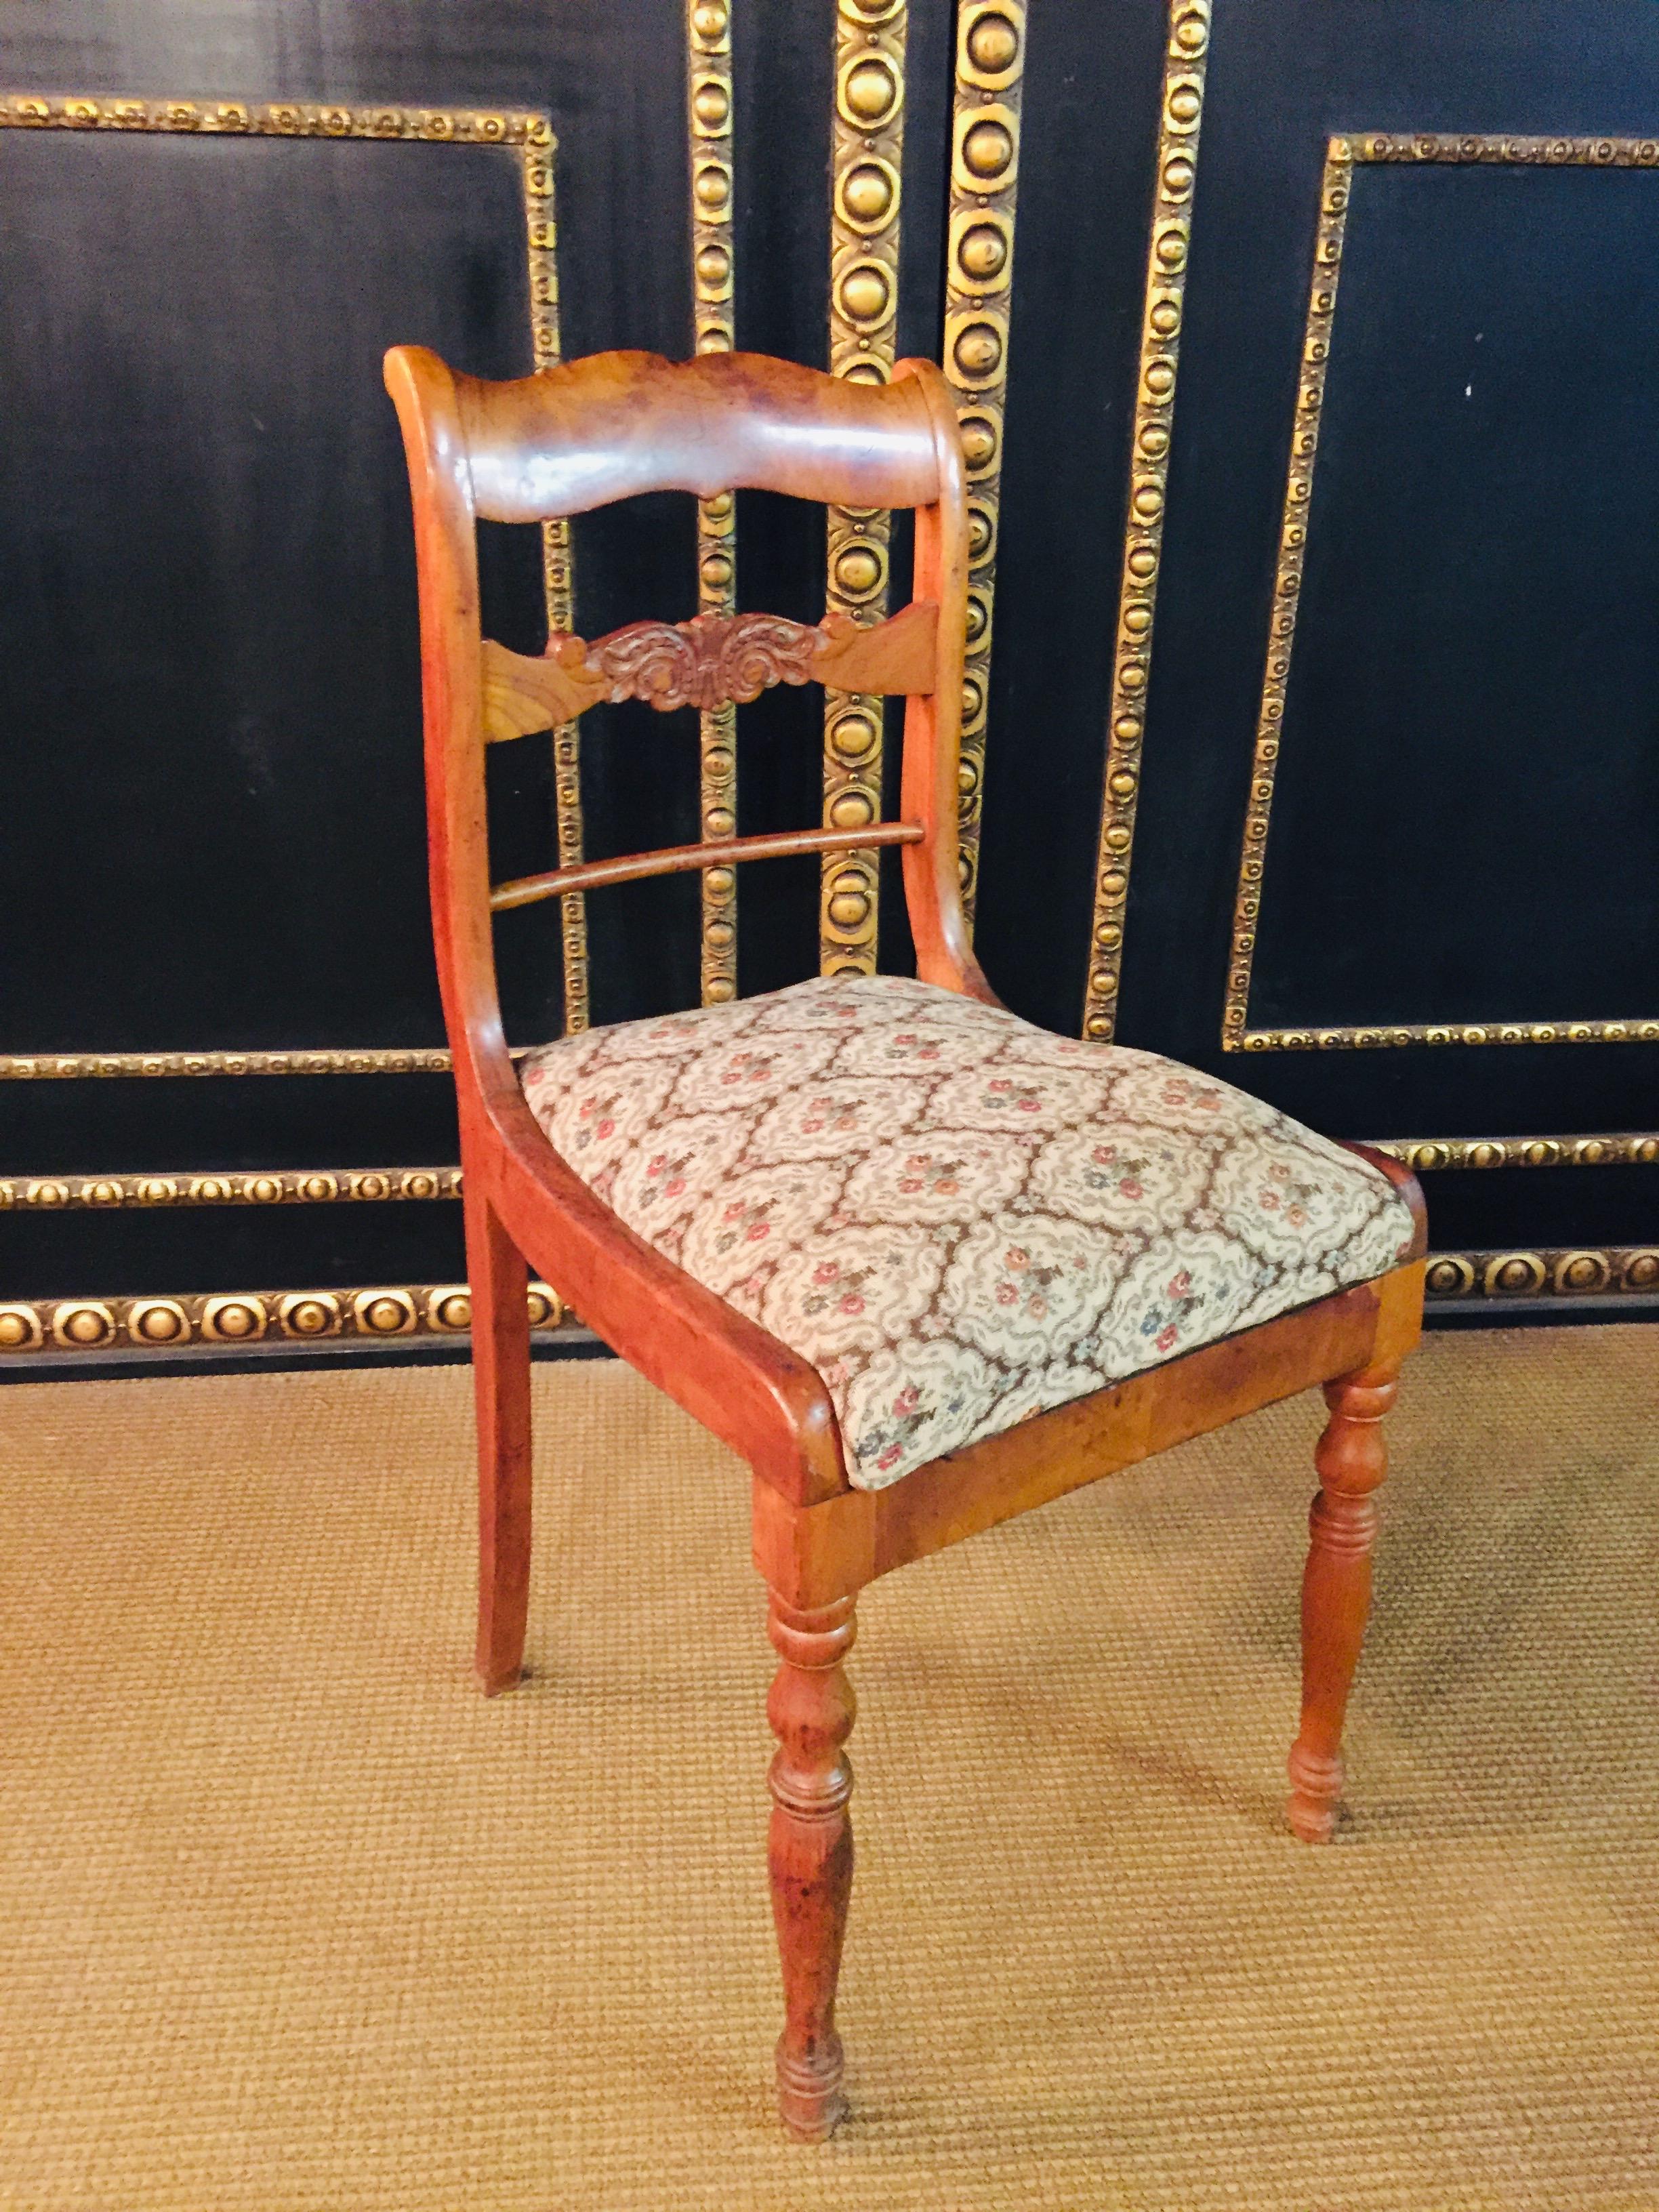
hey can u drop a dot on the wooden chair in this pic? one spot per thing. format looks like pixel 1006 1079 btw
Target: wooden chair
pixel 828 1516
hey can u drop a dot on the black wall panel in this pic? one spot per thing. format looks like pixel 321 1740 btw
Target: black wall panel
pixel 1086 166
pixel 1464 828
pixel 207 576
pixel 1476 623
pixel 207 615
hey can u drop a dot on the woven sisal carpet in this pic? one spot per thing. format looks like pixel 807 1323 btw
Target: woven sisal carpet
pixel 290 1918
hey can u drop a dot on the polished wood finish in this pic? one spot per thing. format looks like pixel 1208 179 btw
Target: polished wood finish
pixel 848 1540
pixel 468 445
pixel 499 1278
pixel 929 786
pixel 524 695
pixel 809 1851
pixel 704 663
pixel 895 658
pixel 571 439
pixel 593 431
pixel 676 860
pixel 1336 1587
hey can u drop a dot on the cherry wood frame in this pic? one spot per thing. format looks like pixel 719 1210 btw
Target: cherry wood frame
pixel 578 437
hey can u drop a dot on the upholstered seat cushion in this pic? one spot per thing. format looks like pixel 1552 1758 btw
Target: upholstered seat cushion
pixel 957 1218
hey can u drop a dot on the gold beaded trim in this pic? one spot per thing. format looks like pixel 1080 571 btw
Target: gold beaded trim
pixel 438 126
pixel 1181 114
pixel 529 135
pixel 359 1186
pixel 1406 1033
pixel 867 154
pixel 1569 1273
pixel 558 589
pixel 241 1317
pixel 356 1186
pixel 708 93
pixel 254 1186
pixel 979 275
pixel 1341 155
pixel 382 1311
pixel 61 1067
pixel 1428 1153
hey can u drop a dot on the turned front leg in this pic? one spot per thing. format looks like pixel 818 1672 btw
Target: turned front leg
pixel 810 1853
pixel 1352 1459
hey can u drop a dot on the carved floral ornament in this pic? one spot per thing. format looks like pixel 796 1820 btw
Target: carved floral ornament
pixel 704 663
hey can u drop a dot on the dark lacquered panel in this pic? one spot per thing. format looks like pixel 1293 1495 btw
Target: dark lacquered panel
pixel 1087 148
pixel 1476 622
pixel 206 575
pixel 785 84
pixel 173 1252
pixel 229 832
pixel 1451 827
pixel 783 69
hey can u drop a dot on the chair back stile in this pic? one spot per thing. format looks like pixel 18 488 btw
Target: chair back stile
pixel 929 780
pixel 424 390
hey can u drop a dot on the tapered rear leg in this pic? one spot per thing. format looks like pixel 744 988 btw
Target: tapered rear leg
pixel 1352 1459
pixel 810 1853
pixel 501 1379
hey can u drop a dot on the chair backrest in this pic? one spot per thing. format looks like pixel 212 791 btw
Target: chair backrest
pixel 593 431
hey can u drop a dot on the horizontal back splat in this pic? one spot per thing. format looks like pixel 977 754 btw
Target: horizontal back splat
pixel 676 860
pixel 704 663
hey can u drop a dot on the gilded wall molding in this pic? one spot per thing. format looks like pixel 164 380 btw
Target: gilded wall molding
pixel 708 98
pixel 529 135
pixel 979 275
pixel 1342 154
pixel 384 1312
pixel 1567 1273
pixel 1427 1154
pixel 228 1186
pixel 58 1193
pixel 1375 1036
pixel 558 589
pixel 379 1310
pixel 78 1067
pixel 866 157
pixel 1181 113
pixel 526 130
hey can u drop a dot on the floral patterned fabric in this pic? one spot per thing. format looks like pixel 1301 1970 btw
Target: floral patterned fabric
pixel 960 1220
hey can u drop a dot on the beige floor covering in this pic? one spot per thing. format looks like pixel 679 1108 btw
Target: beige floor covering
pixel 289 1918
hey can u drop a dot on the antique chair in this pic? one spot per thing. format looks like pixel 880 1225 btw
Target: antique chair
pixel 922 1265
